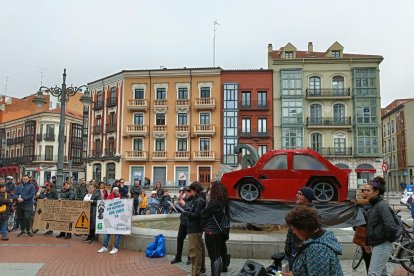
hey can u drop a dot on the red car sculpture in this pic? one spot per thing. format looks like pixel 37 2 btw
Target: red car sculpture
pixel 279 174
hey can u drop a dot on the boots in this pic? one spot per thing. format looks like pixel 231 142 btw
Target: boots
pixel 216 267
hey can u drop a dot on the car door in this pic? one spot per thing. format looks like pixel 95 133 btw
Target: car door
pixel 276 178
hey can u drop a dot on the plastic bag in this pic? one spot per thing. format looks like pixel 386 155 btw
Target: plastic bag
pixel 156 248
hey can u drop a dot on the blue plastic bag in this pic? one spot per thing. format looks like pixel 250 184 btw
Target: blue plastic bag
pixel 156 248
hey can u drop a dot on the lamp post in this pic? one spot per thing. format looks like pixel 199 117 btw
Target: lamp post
pixel 63 94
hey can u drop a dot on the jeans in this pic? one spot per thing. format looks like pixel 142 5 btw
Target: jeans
pixel 24 215
pixel 380 255
pixel 3 227
pixel 116 243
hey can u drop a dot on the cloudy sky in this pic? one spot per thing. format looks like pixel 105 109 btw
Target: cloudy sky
pixel 96 38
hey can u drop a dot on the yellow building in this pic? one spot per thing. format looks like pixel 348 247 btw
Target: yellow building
pixel 162 124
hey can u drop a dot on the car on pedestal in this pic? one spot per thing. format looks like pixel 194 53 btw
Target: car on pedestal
pixel 279 174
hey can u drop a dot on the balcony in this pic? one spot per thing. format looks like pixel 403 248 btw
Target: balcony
pixel 160 130
pixel 182 131
pixel 136 130
pixel 182 105
pixel 334 151
pixel 137 105
pixel 328 122
pixel 95 154
pixel 109 152
pixel 49 137
pixel 111 102
pixel 136 155
pixel 97 129
pixel 255 105
pixel 204 130
pixel 204 103
pixel 159 156
pixel 14 160
pixel 328 93
pixel 254 134
pixel 111 127
pixel 19 140
pixel 48 158
pixel 97 105
pixel 160 106
pixel 182 156
pixel 204 155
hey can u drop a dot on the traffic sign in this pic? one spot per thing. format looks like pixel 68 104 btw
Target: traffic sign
pixel 385 167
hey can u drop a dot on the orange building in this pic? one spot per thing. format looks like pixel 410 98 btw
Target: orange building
pixel 162 124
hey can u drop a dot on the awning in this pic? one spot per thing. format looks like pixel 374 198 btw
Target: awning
pixel 10 169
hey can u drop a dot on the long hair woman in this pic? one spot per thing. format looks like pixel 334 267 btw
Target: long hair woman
pixel 211 218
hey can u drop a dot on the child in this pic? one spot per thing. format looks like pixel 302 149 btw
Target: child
pixel 153 202
pixel 142 203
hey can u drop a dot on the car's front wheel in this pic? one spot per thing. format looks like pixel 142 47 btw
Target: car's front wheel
pixel 249 191
pixel 324 191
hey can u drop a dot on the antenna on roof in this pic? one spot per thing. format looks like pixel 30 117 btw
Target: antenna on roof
pixel 5 88
pixel 42 74
pixel 215 24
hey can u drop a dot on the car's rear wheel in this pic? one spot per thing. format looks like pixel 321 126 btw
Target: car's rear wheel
pixel 249 191
pixel 324 191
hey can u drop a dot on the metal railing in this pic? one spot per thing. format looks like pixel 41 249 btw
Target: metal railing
pixel 328 121
pixel 328 92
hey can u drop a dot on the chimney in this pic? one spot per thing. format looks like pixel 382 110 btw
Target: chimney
pixel 269 47
pixel 310 47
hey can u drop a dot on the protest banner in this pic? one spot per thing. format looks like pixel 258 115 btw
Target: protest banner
pixel 114 216
pixel 71 216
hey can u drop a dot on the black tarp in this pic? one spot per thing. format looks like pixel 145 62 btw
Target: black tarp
pixel 336 215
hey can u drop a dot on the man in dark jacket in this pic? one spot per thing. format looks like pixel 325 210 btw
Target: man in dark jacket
pixel 67 193
pixel 81 190
pixel 123 189
pixel 195 233
pixel 135 191
pixel 50 193
pixel 24 194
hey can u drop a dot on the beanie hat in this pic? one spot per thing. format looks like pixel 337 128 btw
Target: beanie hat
pixel 308 193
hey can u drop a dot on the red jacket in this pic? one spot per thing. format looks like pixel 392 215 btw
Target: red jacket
pixel 112 196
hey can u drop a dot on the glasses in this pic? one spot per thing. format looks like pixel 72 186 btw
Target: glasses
pixel 365 190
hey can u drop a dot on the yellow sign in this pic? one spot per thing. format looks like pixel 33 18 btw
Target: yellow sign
pixel 62 215
pixel 82 221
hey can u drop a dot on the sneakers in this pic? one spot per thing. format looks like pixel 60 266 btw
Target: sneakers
pixel 113 251
pixel 21 233
pixel 176 260
pixel 103 249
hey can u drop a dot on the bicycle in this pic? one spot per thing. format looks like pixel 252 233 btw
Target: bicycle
pixel 12 220
pixel 403 250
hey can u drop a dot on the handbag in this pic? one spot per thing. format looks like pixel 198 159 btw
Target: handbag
pixel 224 224
pixel 3 207
pixel 360 235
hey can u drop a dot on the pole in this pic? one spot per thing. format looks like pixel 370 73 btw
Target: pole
pixel 61 138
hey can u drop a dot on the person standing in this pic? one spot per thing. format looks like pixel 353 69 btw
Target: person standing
pixel 381 227
pixel 10 185
pixel 5 201
pixel 67 193
pixel 51 194
pixel 143 203
pixel 194 230
pixel 24 194
pixel 135 191
pixel 153 203
pixel 81 190
pixel 102 190
pixel 123 189
pixel 92 196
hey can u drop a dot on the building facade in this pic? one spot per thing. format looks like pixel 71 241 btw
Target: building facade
pixel 329 101
pixel 247 112
pixel 398 141
pixel 161 124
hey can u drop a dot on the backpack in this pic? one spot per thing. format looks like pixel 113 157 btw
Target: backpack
pixel 399 223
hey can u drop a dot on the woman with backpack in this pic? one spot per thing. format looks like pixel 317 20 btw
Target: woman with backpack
pixel 382 227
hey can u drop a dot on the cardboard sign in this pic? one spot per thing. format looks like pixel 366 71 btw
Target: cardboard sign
pixel 62 215
pixel 114 216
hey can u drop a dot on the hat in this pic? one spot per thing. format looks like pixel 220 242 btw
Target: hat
pixel 153 192
pixel 9 177
pixel 308 193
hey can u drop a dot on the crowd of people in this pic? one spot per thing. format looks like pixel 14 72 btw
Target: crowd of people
pixel 309 249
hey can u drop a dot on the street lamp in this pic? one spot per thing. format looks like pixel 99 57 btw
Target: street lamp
pixel 62 95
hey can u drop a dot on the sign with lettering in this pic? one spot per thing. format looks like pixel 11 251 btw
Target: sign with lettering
pixel 114 216
pixel 71 216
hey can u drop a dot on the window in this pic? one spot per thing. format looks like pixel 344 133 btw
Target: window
pixel 230 96
pixel 111 147
pixel 291 82
pixel 292 111
pixel 112 94
pixel 204 144
pixel 229 156
pixel 96 172
pixel 159 144
pixel 316 114
pixel 339 143
pixel 183 93
pixel 262 99
pixel 339 114
pixel 277 162
pixel 230 124
pixel 246 99
pixel 50 130
pixel 316 142
pixel 205 92
pixel 98 147
pixel 48 153
pixel 292 138
pixel 261 149
pixel 392 127
pixel 139 93
pixel 338 85
pixel 99 97
pixel 315 85
pixel 110 172
pixel 204 118
pixel 366 110
pixel 364 81
pixel 112 118
pixel 160 119
pixel 367 140
pixel 138 119
pixel 262 126
pixel 246 123
pixel 289 55
pixel 306 162
pixel 182 144
pixel 161 93
pixel 182 119
pixel 393 144
pixel 138 144
pixel 336 54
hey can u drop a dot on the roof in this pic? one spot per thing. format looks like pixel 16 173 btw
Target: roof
pixel 308 55
pixel 394 105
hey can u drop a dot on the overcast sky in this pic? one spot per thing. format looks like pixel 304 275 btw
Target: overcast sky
pixel 96 38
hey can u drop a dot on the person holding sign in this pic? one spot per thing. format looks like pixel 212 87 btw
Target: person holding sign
pixel 115 194
pixel 93 196
pixel 67 193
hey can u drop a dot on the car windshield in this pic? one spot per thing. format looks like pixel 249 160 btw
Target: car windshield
pixel 277 162
pixel 306 162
